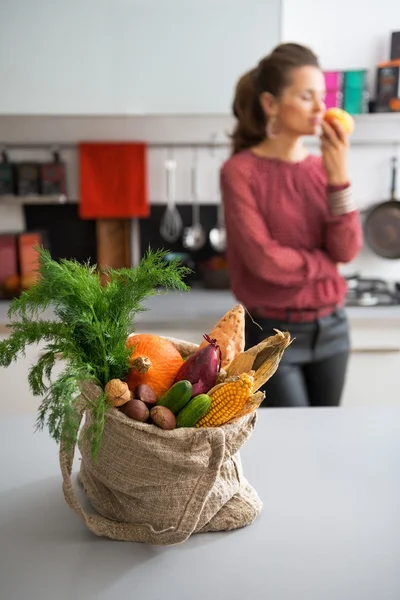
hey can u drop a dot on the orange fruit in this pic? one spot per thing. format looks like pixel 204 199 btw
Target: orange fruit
pixel 338 114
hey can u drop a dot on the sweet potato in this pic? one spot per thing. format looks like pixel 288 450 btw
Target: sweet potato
pixel 229 333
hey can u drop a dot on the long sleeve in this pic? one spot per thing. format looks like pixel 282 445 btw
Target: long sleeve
pixel 261 253
pixel 344 236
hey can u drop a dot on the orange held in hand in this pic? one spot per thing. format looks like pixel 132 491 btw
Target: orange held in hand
pixel 340 115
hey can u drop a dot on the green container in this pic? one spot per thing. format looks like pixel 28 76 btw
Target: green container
pixel 355 93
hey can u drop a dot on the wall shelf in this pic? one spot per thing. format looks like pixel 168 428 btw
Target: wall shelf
pixel 32 200
pixel 19 131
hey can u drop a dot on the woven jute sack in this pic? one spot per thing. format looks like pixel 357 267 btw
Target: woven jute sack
pixel 160 487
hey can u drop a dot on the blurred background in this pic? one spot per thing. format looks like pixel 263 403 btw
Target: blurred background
pixel 77 76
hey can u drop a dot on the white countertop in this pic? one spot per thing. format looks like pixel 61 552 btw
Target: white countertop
pixel 329 530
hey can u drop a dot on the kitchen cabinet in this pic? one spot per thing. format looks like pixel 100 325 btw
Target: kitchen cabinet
pixel 373 378
pixel 374 365
pixel 131 56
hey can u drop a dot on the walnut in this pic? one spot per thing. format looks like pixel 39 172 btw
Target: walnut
pixel 117 392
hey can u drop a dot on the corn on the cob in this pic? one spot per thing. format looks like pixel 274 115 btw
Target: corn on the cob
pixel 251 405
pixel 227 399
pixel 219 385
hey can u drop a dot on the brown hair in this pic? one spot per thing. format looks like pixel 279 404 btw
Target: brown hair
pixel 271 75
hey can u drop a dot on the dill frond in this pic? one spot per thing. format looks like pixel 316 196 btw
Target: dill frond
pixel 91 326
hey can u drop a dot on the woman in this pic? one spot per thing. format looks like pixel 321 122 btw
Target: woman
pixel 291 221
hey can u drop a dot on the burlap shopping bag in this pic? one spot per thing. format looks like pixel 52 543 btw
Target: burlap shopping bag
pixel 159 487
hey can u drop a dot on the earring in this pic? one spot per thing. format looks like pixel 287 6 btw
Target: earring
pixel 272 128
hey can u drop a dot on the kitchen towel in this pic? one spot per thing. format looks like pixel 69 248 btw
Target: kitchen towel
pixel 113 180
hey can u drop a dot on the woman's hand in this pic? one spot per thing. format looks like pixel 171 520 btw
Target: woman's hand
pixel 334 147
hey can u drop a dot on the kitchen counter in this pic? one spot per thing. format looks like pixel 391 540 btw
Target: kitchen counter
pixel 330 483
pixel 200 305
pixel 204 304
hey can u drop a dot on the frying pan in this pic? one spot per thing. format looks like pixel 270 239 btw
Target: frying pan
pixel 382 225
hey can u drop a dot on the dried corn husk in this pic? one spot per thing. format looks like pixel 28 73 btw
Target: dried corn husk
pixel 251 405
pixel 222 375
pixel 268 359
pixel 255 356
pixel 244 361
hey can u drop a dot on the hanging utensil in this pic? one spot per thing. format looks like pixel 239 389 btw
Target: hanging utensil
pixel 53 176
pixel 194 236
pixel 382 225
pixel 217 235
pixel 171 222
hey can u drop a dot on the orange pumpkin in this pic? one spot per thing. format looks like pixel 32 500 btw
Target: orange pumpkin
pixel 154 361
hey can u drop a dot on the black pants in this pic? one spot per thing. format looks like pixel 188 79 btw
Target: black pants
pixel 313 369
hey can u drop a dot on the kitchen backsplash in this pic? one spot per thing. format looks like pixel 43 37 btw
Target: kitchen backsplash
pixel 369 167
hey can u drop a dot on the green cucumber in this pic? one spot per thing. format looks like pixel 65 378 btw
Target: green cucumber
pixel 193 411
pixel 177 396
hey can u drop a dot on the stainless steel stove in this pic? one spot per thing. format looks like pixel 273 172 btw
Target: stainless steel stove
pixel 371 292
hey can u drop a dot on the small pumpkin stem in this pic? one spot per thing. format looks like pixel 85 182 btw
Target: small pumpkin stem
pixel 141 364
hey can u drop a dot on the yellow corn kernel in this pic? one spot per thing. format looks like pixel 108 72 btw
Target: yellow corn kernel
pixel 227 400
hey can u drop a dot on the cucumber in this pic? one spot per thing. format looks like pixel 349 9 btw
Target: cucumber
pixel 177 396
pixel 193 411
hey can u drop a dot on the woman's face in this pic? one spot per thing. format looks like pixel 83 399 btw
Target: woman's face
pixel 300 107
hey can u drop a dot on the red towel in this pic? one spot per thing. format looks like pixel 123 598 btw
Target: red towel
pixel 113 180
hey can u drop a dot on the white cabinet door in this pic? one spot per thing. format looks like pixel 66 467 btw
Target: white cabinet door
pixel 112 57
pixel 373 378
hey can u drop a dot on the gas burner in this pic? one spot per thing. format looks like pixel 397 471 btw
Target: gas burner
pixel 371 292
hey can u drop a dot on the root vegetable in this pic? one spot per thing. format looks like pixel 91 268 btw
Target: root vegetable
pixel 136 410
pixel 163 417
pixel 146 394
pixel 202 367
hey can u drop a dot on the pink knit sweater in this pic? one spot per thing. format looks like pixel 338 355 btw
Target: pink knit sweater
pixel 286 232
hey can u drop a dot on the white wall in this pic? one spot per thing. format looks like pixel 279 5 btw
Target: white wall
pixel 129 56
pixel 345 34
pixel 348 35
